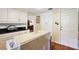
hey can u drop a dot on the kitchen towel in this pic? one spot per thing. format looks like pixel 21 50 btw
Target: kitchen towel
pixel 12 45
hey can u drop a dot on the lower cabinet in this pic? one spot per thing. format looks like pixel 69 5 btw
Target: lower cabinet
pixel 40 43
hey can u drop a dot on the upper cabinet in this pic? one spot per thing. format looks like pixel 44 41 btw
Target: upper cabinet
pixel 22 17
pixel 10 15
pixel 3 14
pixel 13 15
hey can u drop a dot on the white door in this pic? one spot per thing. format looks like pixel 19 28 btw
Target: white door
pixel 69 27
pixel 46 21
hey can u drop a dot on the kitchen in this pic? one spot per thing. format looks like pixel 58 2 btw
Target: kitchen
pixel 38 28
pixel 16 32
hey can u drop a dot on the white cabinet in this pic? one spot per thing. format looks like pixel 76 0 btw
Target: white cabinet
pixel 9 15
pixel 22 17
pixel 13 16
pixel 3 14
pixel 17 16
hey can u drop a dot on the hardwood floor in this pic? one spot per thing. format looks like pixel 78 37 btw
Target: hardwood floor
pixel 56 46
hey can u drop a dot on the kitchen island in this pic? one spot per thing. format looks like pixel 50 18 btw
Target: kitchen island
pixel 28 41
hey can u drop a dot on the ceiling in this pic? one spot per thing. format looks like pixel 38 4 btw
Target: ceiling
pixel 34 10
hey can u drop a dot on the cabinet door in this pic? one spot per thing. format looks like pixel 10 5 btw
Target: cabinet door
pixel 3 14
pixel 13 15
pixel 22 17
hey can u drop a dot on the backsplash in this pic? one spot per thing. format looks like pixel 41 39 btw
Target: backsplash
pixel 4 27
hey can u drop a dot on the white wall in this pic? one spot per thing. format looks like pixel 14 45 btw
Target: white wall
pixel 56 28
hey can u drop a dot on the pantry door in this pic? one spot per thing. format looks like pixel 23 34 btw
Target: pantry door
pixel 69 27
